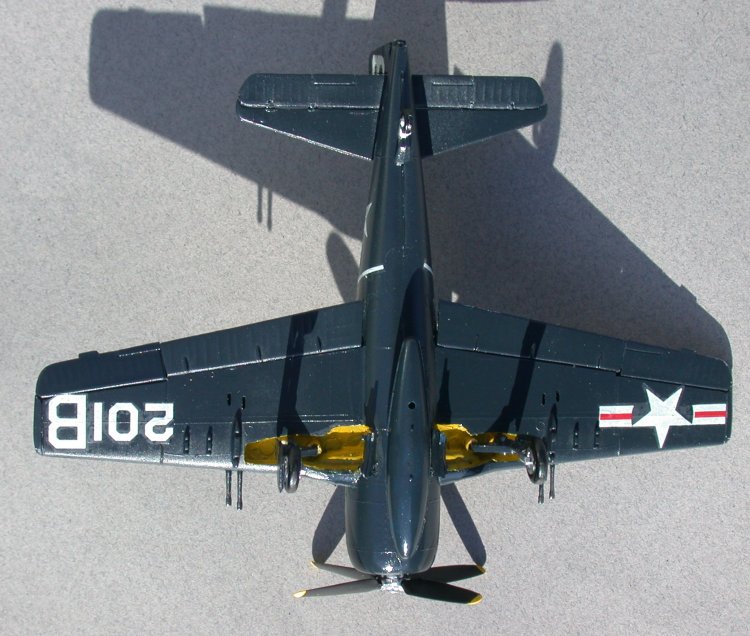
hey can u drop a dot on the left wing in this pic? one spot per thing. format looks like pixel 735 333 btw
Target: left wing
pixel 205 400
pixel 504 378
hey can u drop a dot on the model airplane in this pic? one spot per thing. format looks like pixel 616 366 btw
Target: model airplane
pixel 395 394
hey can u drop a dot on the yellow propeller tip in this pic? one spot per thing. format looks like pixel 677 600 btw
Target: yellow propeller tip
pixel 476 600
pixel 299 594
pixel 481 569
pixel 313 564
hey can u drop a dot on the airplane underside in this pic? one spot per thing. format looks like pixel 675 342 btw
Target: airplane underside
pixel 396 394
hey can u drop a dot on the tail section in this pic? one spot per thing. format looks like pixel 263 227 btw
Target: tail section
pixel 455 110
pixel 336 111
pixel 341 112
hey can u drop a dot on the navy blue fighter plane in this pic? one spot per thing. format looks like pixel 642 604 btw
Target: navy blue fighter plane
pixel 395 394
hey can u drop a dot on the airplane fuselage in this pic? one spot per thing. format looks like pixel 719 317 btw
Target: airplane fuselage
pixel 392 514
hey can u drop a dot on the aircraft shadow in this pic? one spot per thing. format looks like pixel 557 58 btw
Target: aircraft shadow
pixel 330 529
pixel 509 232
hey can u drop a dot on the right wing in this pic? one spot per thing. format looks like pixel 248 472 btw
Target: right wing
pixel 205 400
pixel 587 396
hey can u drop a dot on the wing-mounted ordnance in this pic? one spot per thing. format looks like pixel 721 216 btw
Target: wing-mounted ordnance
pixel 235 451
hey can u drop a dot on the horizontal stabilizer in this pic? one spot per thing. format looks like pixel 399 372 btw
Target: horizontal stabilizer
pixel 335 111
pixel 455 110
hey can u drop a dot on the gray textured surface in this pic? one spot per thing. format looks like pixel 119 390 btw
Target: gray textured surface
pixel 136 208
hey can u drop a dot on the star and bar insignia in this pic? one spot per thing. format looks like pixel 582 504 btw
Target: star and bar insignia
pixel 662 415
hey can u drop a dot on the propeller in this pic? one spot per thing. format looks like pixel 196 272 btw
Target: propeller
pixel 440 591
pixel 433 584
pixel 350 587
pixel 342 570
pixel 451 573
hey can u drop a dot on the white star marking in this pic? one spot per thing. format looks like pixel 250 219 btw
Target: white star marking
pixel 663 414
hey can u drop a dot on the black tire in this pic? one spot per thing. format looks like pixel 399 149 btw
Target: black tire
pixel 293 467
pixel 282 471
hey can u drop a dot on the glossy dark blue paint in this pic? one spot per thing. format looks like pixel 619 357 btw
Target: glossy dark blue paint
pixel 393 513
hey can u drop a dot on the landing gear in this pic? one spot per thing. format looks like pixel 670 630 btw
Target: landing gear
pixel 536 460
pixel 289 457
pixel 539 466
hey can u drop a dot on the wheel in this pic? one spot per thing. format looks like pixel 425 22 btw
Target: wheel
pixel 289 462
pixel 282 462
pixel 293 467
pixel 538 467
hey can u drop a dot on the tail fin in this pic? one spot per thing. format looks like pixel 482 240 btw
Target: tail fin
pixel 455 110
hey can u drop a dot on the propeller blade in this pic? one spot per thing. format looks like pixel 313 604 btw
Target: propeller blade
pixel 451 573
pixel 440 591
pixel 350 587
pixel 341 570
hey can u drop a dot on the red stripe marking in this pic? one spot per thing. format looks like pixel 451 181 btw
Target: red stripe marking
pixel 710 414
pixel 615 416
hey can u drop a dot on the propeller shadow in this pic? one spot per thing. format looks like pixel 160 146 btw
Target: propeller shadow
pixel 330 528
pixel 464 524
